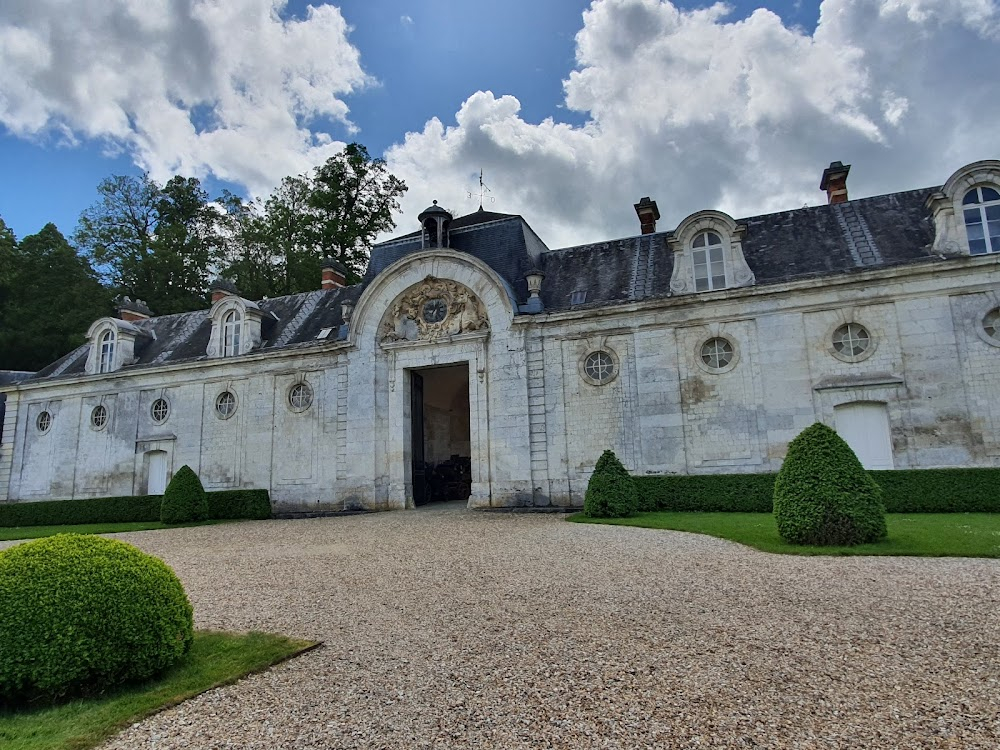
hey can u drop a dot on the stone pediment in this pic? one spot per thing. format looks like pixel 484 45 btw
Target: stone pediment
pixel 433 310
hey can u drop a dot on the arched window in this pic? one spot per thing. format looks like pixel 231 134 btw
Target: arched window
pixel 709 262
pixel 981 207
pixel 107 362
pixel 231 325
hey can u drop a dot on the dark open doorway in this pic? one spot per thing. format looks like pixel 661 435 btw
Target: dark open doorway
pixel 440 438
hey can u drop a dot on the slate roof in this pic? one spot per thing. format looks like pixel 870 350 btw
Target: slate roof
pixel 862 234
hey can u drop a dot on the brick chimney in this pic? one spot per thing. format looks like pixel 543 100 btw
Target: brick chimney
pixel 334 274
pixel 648 214
pixel 834 182
pixel 221 288
pixel 130 311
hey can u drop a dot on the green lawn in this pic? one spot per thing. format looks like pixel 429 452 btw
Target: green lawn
pixel 215 659
pixel 925 534
pixel 8 533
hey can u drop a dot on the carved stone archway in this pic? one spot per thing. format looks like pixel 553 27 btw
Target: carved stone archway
pixel 433 310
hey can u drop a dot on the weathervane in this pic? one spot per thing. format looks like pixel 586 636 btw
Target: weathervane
pixel 483 190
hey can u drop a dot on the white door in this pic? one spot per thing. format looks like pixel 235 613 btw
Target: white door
pixel 865 427
pixel 157 483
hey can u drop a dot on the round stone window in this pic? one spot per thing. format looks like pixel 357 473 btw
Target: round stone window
pixel 991 325
pixel 225 405
pixel 300 397
pixel 852 342
pixel 717 353
pixel 599 367
pixel 44 421
pixel 99 417
pixel 160 410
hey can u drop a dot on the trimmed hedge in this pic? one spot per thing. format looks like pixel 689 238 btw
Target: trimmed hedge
pixel 222 505
pixel 81 614
pixel 728 493
pixel 903 491
pixel 185 500
pixel 253 504
pixel 142 508
pixel 611 490
pixel 824 496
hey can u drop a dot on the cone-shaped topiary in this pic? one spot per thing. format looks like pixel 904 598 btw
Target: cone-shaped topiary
pixel 611 491
pixel 185 499
pixel 79 614
pixel 824 496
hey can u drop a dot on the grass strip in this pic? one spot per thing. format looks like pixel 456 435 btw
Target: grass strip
pixel 10 533
pixel 215 659
pixel 910 534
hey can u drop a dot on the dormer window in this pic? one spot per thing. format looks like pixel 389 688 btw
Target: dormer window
pixel 236 326
pixel 107 360
pixel 709 262
pixel 708 254
pixel 981 209
pixel 231 326
pixel 114 344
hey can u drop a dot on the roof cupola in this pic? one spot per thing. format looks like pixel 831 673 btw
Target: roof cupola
pixel 435 222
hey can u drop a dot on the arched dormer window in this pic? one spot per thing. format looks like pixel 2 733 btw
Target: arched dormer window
pixel 708 254
pixel 981 210
pixel 107 355
pixel 966 211
pixel 236 327
pixel 709 262
pixel 114 344
pixel 232 324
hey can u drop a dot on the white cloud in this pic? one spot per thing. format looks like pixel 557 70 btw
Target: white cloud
pixel 188 86
pixel 701 111
pixel 406 20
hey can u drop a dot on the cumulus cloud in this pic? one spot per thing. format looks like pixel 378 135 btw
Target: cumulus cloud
pixel 700 110
pixel 187 86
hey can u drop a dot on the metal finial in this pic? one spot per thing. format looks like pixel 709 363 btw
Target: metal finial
pixel 483 190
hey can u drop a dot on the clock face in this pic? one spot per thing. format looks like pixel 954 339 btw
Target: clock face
pixel 435 310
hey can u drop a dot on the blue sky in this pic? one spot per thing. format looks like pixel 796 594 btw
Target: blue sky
pixel 573 110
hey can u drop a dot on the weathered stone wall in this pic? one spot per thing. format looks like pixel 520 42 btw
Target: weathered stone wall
pixel 536 424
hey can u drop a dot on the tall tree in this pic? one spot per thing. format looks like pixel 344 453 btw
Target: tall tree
pixel 277 246
pixel 353 198
pixel 53 297
pixel 151 242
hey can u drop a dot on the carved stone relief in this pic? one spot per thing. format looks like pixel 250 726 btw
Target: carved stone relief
pixel 432 310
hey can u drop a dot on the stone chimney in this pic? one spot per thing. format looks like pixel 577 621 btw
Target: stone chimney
pixel 648 214
pixel 334 274
pixel 130 311
pixel 221 288
pixel 834 182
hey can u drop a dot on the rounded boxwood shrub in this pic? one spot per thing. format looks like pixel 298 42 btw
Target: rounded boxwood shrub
pixel 611 491
pixel 79 614
pixel 824 496
pixel 185 499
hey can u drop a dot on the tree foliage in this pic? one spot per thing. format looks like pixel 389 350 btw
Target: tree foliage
pixel 49 296
pixel 277 246
pixel 152 242
pixel 611 490
pixel 823 495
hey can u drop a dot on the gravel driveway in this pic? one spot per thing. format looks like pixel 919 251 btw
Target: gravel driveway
pixel 447 628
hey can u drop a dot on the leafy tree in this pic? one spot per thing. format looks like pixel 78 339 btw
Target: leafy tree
pixel 611 490
pixel 823 495
pixel 8 245
pixel 52 297
pixel 151 242
pixel 277 246
pixel 352 199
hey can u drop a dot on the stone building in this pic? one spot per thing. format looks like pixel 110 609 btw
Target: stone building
pixel 473 360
